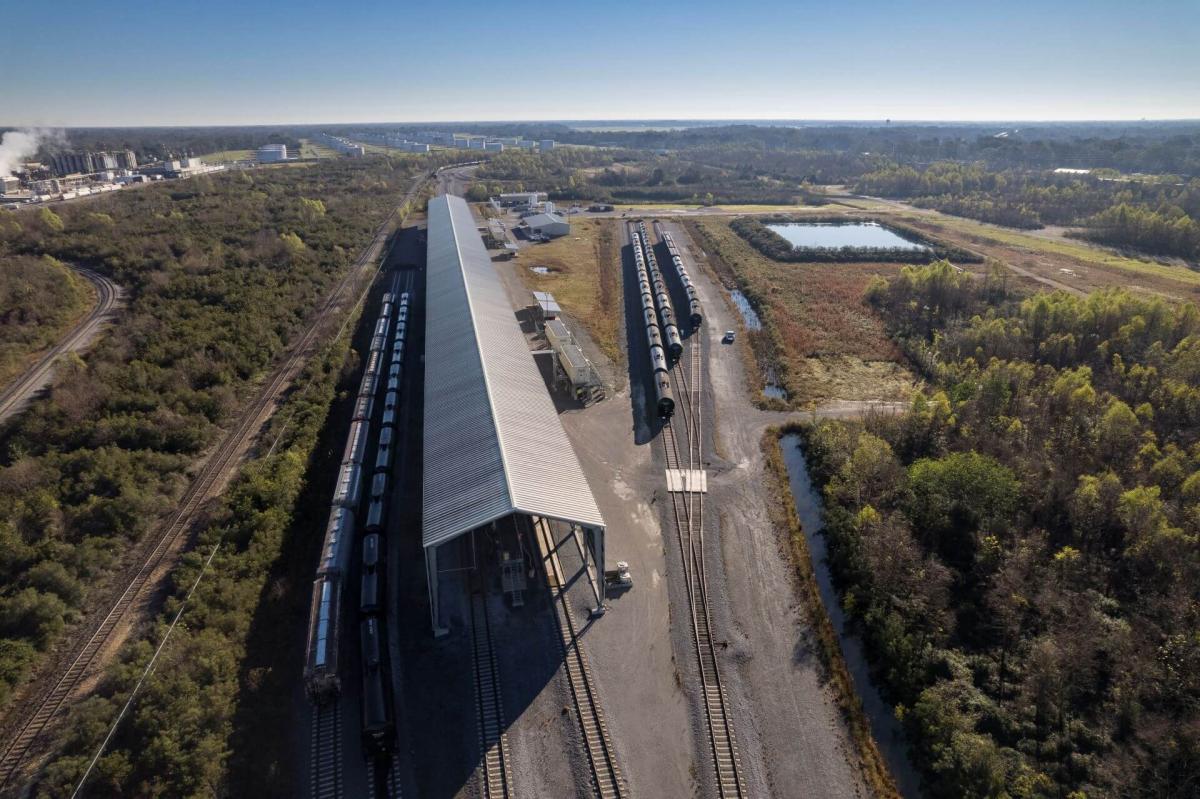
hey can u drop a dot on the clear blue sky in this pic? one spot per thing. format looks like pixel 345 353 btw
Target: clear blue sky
pixel 218 62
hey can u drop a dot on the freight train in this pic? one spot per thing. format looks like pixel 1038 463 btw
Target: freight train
pixel 662 298
pixel 321 673
pixel 695 316
pixel 664 400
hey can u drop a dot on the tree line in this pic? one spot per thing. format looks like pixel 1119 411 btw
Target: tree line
pixel 1160 216
pixel 1021 548
pixel 632 176
pixel 1149 147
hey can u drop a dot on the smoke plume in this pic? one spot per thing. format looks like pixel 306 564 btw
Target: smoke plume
pixel 18 146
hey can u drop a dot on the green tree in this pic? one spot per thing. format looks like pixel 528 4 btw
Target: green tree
pixel 949 500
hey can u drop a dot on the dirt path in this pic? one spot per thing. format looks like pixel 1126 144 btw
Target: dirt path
pixel 18 394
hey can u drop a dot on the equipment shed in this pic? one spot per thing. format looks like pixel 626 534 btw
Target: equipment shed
pixel 493 443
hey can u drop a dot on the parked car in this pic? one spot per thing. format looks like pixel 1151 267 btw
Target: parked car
pixel 728 337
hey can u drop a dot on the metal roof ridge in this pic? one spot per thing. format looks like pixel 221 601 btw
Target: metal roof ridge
pixel 487 382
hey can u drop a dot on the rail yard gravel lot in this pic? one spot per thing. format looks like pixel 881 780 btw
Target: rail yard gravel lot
pixel 801 731
pixel 791 735
pixel 632 659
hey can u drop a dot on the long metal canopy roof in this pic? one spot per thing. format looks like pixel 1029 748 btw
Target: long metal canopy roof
pixel 493 442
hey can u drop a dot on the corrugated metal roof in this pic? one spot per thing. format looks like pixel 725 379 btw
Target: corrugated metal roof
pixel 540 220
pixel 493 442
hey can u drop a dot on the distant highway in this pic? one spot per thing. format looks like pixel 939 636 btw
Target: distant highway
pixel 108 295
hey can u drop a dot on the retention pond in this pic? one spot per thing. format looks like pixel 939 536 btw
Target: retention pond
pixel 885 728
pixel 836 235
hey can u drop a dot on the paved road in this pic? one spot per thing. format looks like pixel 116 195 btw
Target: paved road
pixel 20 391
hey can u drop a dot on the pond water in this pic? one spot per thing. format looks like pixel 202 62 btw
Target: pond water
pixel 541 270
pixel 749 315
pixel 888 734
pixel 803 235
pixel 752 322
pixel 773 389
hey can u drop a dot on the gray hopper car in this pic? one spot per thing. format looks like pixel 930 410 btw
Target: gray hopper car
pixel 363 405
pixel 356 442
pixel 383 453
pixel 338 541
pixel 321 681
pixel 349 486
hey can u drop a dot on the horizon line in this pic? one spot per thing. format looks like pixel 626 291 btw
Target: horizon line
pixel 882 121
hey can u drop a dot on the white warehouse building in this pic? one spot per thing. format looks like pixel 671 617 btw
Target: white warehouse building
pixel 551 225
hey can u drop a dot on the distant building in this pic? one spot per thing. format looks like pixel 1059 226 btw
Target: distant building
pixel 494 146
pixel 46 188
pixel 345 146
pixel 272 153
pixel 9 184
pixel 551 225
pixel 526 199
pixel 71 163
pixel 87 163
pixel 546 144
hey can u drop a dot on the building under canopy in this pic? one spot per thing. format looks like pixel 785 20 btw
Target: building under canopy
pixel 494 445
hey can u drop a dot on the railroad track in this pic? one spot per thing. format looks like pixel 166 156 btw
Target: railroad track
pixel 38 375
pixel 606 776
pixel 688 507
pixel 325 761
pixel 42 709
pixel 496 773
pixel 391 778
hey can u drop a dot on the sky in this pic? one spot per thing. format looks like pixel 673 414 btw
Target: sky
pixel 73 63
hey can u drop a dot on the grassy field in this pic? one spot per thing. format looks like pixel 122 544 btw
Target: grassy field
pixel 969 231
pixel 749 208
pixel 228 155
pixel 310 149
pixel 584 277
pixel 823 341
pixel 1070 249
